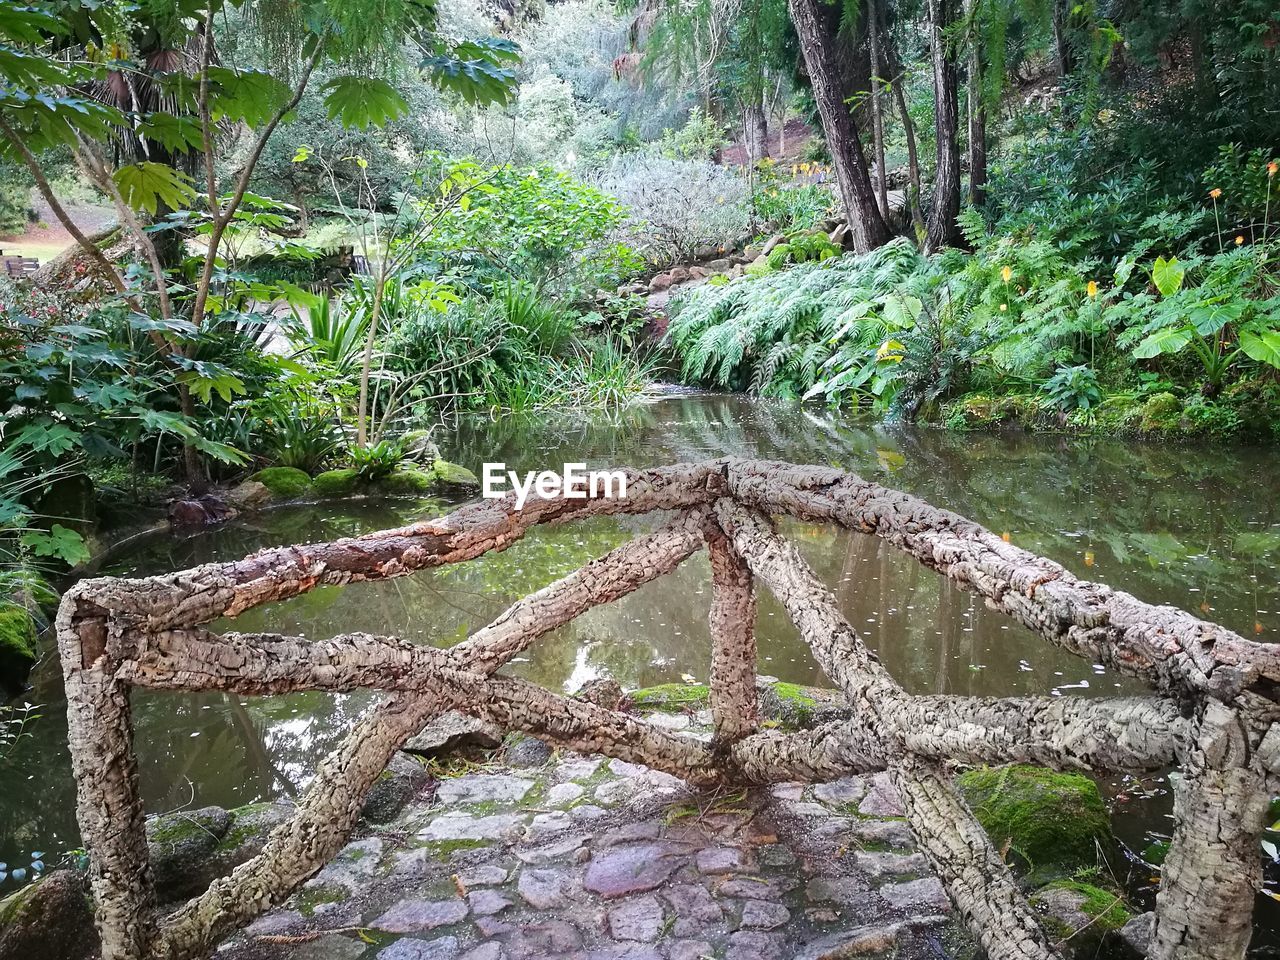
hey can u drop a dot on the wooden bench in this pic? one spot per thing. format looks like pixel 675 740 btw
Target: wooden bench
pixel 20 267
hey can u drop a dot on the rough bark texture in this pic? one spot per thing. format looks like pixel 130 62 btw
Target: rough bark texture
pixel 976 878
pixel 820 57
pixel 946 107
pixel 733 640
pixel 1177 653
pixel 1213 869
pixel 1218 720
pixel 109 805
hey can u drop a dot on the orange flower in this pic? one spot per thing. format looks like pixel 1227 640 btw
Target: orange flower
pixel 1272 167
pixel 1215 193
pixel 1257 626
pixel 1091 288
pixel 1005 537
pixel 1088 558
pixel 1239 239
pixel 1007 273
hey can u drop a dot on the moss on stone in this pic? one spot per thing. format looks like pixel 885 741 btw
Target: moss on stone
pixel 336 483
pixel 284 482
pixel 308 898
pixel 672 696
pixel 409 480
pixel 1056 822
pixel 18 644
pixel 26 588
pixel 1160 412
pixel 1104 911
pixel 451 473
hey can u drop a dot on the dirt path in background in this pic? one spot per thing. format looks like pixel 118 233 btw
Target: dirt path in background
pixel 45 238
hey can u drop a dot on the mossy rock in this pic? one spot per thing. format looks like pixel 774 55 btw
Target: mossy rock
pixel 672 696
pixel 789 705
pixel 19 646
pixel 287 483
pixel 26 588
pixel 50 919
pixel 454 475
pixel 1162 411
pixel 180 846
pixel 1056 823
pixel 336 483
pixel 409 481
pixel 1080 913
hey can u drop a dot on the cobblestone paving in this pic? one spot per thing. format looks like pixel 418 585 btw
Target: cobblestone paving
pixel 595 859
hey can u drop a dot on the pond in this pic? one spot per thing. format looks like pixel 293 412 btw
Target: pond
pixel 1195 527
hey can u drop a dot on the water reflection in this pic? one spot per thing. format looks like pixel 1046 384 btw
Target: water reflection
pixel 1199 528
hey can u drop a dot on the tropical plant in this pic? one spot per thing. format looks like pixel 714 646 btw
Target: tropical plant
pixel 1073 388
pixel 1216 318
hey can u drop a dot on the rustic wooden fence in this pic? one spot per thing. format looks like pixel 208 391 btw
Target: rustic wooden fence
pixel 1213 711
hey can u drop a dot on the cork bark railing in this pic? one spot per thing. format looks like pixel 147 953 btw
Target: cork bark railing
pixel 1212 714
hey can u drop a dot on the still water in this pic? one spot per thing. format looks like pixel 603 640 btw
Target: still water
pixel 1195 527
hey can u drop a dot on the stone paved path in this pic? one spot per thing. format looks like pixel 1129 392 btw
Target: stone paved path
pixel 595 859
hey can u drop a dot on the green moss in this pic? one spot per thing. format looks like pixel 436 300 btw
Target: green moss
pixel 336 483
pixel 444 848
pixel 1054 821
pixel 1105 907
pixel 285 482
pixel 308 898
pixel 409 480
pixel 453 474
pixel 26 588
pixel 245 824
pixel 18 643
pixel 672 696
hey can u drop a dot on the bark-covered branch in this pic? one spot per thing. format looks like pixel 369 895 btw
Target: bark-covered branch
pixel 1167 647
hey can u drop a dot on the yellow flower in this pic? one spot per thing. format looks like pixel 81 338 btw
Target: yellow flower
pixel 1215 193
pixel 1007 273
pixel 1239 239
pixel 1091 288
pixel 1272 167
pixel 890 350
pixel 1088 558
pixel 1004 307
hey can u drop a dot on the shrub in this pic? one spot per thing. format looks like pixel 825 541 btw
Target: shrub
pixel 678 208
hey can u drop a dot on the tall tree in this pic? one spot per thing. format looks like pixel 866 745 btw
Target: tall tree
pixel 942 227
pixel 877 113
pixel 821 58
pixel 977 108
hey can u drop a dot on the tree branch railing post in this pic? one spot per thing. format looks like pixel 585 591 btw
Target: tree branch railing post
pixel 1214 714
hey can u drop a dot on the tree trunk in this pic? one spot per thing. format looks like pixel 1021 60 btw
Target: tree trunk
pixel 977 118
pixel 877 113
pixel 1063 57
pixel 755 129
pixel 867 225
pixel 942 229
pixel 898 73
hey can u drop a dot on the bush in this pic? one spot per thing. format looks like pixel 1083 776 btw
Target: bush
pixel 678 208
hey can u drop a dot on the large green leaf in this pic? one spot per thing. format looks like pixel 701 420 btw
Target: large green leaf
pixel 147 185
pixel 22 24
pixel 363 102
pixel 479 71
pixel 178 134
pixel 1209 318
pixel 1261 345
pixel 251 97
pixel 1167 275
pixel 1168 340
pixel 58 541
